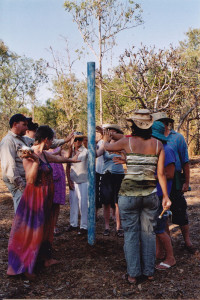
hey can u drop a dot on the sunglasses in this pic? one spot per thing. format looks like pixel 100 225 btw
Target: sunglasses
pixel 78 139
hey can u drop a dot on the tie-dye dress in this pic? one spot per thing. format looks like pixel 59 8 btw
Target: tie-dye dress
pixel 32 229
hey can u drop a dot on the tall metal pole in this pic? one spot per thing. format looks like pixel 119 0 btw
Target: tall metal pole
pixel 91 150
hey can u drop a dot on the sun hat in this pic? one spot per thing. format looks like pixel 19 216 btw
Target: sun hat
pixel 112 126
pixel 158 129
pixel 161 116
pixel 79 134
pixel 142 118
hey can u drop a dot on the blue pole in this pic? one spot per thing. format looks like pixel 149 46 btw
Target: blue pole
pixel 91 150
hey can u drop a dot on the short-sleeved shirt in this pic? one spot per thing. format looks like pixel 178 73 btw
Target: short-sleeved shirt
pixel 99 160
pixel 178 144
pixel 109 164
pixel 169 159
pixel 79 171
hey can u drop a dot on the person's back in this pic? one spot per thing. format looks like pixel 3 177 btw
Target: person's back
pixel 142 161
pixel 138 212
pixel 141 146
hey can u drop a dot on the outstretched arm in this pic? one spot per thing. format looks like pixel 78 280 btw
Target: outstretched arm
pixel 162 179
pixel 117 146
pixel 61 159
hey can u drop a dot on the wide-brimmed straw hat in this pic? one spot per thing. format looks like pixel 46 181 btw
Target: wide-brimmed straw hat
pixel 112 126
pixel 158 130
pixel 142 118
pixel 161 116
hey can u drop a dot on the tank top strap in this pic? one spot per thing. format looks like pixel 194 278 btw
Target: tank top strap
pixel 157 148
pixel 129 140
pixel 49 166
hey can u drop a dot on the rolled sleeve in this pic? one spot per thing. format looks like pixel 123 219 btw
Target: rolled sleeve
pixel 57 142
pixel 10 170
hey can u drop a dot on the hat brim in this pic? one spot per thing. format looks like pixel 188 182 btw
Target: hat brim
pixel 166 119
pixel 99 129
pixel 142 124
pixel 118 130
pixel 80 136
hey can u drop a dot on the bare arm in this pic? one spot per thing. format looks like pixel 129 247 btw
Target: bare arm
pixel 31 168
pixel 60 142
pixel 100 151
pixel 117 146
pixel 169 171
pixel 61 159
pixel 162 179
pixel 117 136
pixel 186 171
pixel 70 182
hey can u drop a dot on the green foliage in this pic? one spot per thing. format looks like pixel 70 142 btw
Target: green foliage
pixel 20 78
pixel 99 22
pixel 70 102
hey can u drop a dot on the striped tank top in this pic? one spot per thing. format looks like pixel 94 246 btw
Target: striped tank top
pixel 140 177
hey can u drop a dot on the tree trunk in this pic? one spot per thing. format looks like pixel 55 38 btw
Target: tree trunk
pixel 100 71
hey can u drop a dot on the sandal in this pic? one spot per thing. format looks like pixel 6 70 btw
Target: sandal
pixel 164 266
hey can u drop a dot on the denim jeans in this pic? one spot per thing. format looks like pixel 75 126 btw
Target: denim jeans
pixel 138 217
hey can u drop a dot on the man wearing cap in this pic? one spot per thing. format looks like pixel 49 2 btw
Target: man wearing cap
pixel 11 165
pixel 179 204
pixel 164 249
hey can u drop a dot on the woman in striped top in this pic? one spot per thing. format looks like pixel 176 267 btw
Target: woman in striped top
pixel 138 201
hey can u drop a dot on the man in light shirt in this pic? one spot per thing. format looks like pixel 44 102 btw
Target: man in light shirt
pixel 11 164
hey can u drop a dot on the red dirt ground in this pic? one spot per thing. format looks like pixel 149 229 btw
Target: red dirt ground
pixel 95 272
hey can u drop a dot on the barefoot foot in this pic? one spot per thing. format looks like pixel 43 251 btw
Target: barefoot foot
pixel 51 262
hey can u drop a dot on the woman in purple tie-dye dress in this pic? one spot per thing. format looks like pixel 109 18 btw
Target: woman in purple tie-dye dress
pixel 32 229
pixel 59 187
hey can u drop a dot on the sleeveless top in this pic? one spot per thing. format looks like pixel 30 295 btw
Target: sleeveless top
pixel 140 177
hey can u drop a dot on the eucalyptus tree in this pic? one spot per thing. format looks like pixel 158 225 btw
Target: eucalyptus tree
pixel 99 22
pixel 20 78
pixel 70 99
pixel 160 80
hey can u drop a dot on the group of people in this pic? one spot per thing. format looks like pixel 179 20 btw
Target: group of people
pixel 138 177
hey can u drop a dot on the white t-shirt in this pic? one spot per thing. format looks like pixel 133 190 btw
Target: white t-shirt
pixel 79 171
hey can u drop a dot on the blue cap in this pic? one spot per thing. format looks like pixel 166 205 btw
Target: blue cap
pixel 158 129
